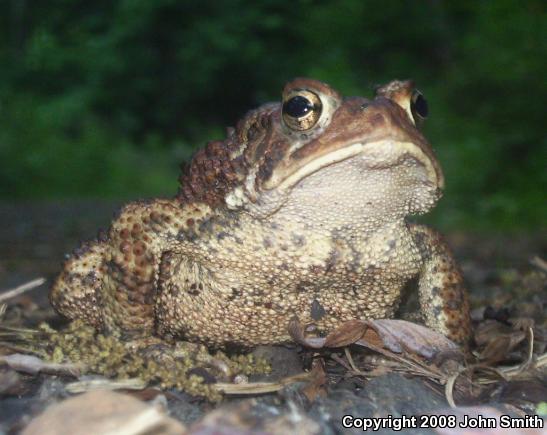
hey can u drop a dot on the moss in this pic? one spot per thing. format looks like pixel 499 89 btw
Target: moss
pixel 185 366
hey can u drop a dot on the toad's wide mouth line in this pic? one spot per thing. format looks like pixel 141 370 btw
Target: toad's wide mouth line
pixel 351 151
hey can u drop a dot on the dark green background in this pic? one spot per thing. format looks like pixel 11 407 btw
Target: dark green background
pixel 105 98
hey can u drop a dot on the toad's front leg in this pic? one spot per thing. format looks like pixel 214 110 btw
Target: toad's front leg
pixel 443 297
pixel 111 283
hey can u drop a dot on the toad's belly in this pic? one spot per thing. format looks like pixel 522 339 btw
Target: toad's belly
pixel 267 322
pixel 259 313
pixel 234 294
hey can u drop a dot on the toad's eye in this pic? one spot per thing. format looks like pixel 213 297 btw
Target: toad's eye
pixel 301 110
pixel 297 107
pixel 418 106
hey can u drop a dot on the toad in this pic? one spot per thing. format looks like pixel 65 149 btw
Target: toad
pixel 301 211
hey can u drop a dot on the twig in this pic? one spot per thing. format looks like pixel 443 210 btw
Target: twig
pixel 33 365
pixel 260 387
pixel 539 263
pixel 530 349
pixel 21 289
pixel 6 330
pixel 21 349
pixel 449 387
pixel 105 384
pixel 14 336
pixel 419 368
pixel 341 362
pixel 351 370
pixel 541 361
pixel 352 363
pixel 513 371
pixel 518 369
pixel 451 381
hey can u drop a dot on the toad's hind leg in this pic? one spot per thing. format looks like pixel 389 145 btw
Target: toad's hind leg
pixel 76 293
pixel 444 302
pixel 111 284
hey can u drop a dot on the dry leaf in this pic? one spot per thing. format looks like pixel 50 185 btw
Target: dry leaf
pixel 522 323
pixel 392 334
pixel 318 380
pixel 488 330
pixel 400 335
pixel 499 347
pixel 298 334
pixel 347 333
pixel 103 412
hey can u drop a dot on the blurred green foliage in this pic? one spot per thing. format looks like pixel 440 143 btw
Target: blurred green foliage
pixel 105 98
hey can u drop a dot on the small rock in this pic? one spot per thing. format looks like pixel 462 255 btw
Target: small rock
pixel 392 394
pixel 253 416
pixel 10 381
pixel 284 361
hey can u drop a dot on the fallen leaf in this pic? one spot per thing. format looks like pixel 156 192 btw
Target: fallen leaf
pixel 488 330
pixel 298 334
pixel 318 380
pixel 395 335
pixel 499 347
pixel 400 335
pixel 347 333
pixel 103 412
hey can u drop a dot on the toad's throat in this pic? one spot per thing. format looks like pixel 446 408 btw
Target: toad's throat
pixel 286 179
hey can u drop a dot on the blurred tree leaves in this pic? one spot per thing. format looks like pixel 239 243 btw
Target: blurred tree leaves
pixel 104 98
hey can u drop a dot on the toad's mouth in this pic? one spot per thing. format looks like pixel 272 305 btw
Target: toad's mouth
pixel 382 154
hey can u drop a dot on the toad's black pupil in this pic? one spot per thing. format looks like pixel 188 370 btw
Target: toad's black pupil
pixel 297 106
pixel 420 106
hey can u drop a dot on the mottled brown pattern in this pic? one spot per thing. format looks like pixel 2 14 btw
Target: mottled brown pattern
pixel 275 222
pixel 441 286
pixel 213 172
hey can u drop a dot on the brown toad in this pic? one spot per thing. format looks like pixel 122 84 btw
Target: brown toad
pixel 300 211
